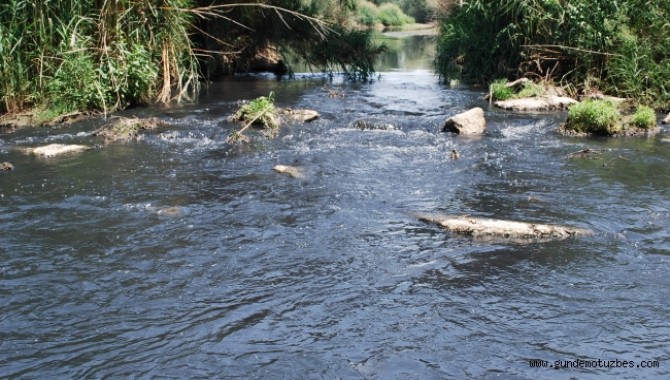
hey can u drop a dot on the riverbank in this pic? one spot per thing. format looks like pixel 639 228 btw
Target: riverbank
pixel 624 50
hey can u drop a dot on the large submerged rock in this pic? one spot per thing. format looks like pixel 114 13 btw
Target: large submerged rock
pixel 541 103
pixel 471 122
pixel 503 229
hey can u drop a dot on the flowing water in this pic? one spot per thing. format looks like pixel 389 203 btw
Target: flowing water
pixel 181 256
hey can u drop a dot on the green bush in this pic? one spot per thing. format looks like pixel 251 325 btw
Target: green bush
pixel 391 15
pixel 598 117
pixel 367 13
pixel 644 118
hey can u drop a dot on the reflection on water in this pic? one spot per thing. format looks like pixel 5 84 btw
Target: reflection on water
pixel 252 274
pixel 406 53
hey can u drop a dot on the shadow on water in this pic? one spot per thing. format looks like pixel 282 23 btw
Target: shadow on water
pixel 183 256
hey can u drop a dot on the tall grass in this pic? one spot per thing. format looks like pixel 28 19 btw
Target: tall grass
pixel 72 56
pixel 621 44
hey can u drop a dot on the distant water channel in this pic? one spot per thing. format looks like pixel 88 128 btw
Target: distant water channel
pixel 256 275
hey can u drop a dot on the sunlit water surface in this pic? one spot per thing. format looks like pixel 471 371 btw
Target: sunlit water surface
pixel 259 275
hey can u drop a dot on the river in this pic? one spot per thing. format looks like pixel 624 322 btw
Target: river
pixel 259 275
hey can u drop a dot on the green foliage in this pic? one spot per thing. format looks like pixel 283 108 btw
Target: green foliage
pixel 477 44
pixel 420 10
pixel 71 56
pixel 599 117
pixel 367 13
pixel 622 43
pixel 68 56
pixel 391 15
pixel 260 111
pixel 531 89
pixel 644 118
pixel 500 91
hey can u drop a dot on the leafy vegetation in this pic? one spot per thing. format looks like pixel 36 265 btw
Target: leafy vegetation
pixel 63 57
pixel 420 10
pixel 644 118
pixel 366 13
pixel 531 89
pixel 72 56
pixel 500 91
pixel 260 111
pixel 599 117
pixel 388 14
pixel 621 46
pixel 391 15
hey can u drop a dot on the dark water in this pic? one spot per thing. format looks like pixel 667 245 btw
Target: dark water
pixel 263 276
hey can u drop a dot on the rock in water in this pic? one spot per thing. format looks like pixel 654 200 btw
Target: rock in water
pixel 6 166
pixel 291 171
pixel 666 120
pixel 373 125
pixel 470 122
pixel 543 103
pixel 299 115
pixel 505 229
pixel 52 150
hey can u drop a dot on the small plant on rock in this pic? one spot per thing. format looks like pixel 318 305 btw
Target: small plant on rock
pixel 261 112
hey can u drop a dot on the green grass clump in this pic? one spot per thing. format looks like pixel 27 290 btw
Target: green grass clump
pixel 598 117
pixel 500 90
pixel 260 111
pixel 531 90
pixel 644 118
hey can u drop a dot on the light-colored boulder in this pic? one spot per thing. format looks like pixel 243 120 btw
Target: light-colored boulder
pixel 291 171
pixel 497 228
pixel 666 120
pixel 6 166
pixel 471 122
pixel 542 103
pixel 52 150
pixel 298 115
